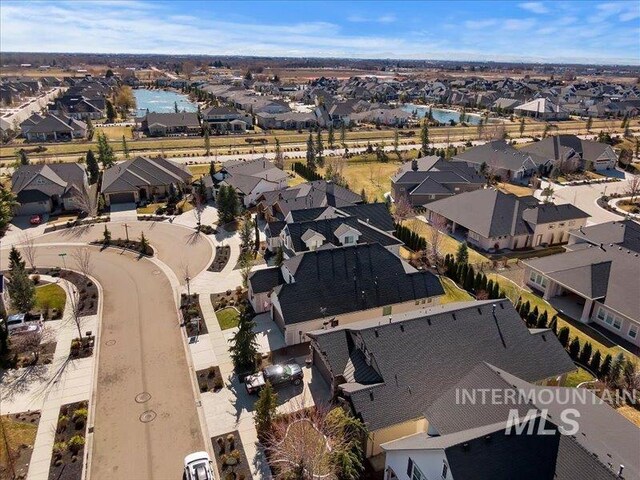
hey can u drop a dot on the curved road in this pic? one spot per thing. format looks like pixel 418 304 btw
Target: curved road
pixel 141 351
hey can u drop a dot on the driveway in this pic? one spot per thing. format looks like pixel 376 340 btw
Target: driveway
pixel 585 196
pixel 123 212
pixel 141 351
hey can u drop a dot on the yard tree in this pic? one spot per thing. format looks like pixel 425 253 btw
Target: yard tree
pixel 278 160
pixel 111 112
pixel 563 336
pixel 532 319
pixel 630 375
pixel 256 234
pixel 343 134
pixel 212 169
pixel 402 209
pixel 246 233
pixel 331 139
pixel 244 346
pixel 93 169
pixel 22 157
pixel 7 203
pixel 125 100
pixel 594 364
pixel 246 264
pixel 617 365
pixel 545 132
pixel 348 456
pixel 207 142
pixel 106 236
pixel 574 348
pixel 319 148
pixel 311 156
pixel 554 324
pixel 265 409
pixel 396 142
pixel 105 152
pixel 589 124
pixel 22 291
pixel 605 368
pixel 585 353
pixel 522 125
pixel 462 255
pixel 633 187
pixel 125 147
pixel 15 260
pixel 144 244
pixel 29 248
pixel 542 320
pixel 424 137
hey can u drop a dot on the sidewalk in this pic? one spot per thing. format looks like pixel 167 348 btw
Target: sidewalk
pixel 63 381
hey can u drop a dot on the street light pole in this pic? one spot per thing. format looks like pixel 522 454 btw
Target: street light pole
pixel 126 230
pixel 64 262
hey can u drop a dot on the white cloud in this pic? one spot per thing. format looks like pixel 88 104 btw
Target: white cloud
pixel 535 7
pixel 387 18
pixel 480 24
pixel 519 23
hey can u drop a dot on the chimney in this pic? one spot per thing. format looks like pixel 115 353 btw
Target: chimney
pixel 414 165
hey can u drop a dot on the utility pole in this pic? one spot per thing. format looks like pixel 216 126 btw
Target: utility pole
pixel 126 230
pixel 64 262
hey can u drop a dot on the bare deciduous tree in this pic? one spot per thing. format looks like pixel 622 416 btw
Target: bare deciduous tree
pixel 633 187
pixel 198 209
pixel 402 208
pixel 75 307
pixel 29 248
pixel 82 257
pixel 86 200
pixel 30 342
pixel 435 238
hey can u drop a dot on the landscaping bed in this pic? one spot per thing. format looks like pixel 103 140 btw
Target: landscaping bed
pixel 228 298
pixel 191 311
pixel 221 258
pixel 68 447
pixel 231 461
pixel 88 291
pixel 133 245
pixel 210 379
pixel 77 223
pixel 82 348
pixel 20 433
pixel 228 318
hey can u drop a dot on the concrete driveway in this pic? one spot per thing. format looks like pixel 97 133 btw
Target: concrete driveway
pixel 123 212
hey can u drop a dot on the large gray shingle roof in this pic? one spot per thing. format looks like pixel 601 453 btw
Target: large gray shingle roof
pixel 143 172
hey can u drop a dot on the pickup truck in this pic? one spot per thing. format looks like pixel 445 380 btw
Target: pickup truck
pixel 276 375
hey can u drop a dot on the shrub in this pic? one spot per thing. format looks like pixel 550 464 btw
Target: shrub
pixel 76 443
pixel 59 448
pixel 63 421
pixel 218 383
pixel 80 414
pixel 36 279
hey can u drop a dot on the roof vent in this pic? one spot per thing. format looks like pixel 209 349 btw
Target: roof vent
pixel 465 446
pixel 620 470
pixel 487 438
pixel 493 308
pixel 401 327
pixel 479 311
pixel 376 333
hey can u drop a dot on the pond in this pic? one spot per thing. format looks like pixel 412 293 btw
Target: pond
pixel 161 101
pixel 440 114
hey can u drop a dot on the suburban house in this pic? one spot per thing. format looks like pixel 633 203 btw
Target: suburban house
pixel 469 440
pixel 143 179
pixel 324 227
pixel 53 128
pixel 491 220
pixel 287 120
pixel 542 108
pixel 586 154
pixel 431 178
pixel 339 285
pixel 390 369
pixel 168 124
pixel 251 178
pixel 504 160
pixel 46 188
pixel 226 120
pixel 391 117
pixel 277 204
pixel 591 281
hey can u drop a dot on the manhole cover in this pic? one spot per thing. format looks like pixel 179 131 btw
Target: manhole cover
pixel 108 343
pixel 156 272
pixel 143 397
pixel 148 416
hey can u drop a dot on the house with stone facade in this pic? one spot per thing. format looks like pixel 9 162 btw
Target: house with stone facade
pixel 492 220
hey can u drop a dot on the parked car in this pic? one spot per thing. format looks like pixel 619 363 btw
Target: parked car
pixel 21 323
pixel 35 220
pixel 197 466
pixel 276 375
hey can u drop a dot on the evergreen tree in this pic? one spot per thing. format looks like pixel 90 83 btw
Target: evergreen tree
pixel 489 287
pixel 279 157
pixel 212 168
pixel 616 369
pixel 105 152
pixel 319 148
pixel 563 336
pixel 462 255
pixel 145 248
pixel 574 348
pixel 605 368
pixel 22 291
pixel 265 409
pixel 93 169
pixel 469 279
pixel 526 309
pixel 111 111
pixel 477 282
pixel 207 142
pixel 532 319
pixel 343 134
pixel 424 137
pixel 311 155
pixel 542 320
pixel 244 346
pixel 363 195
pixel 106 236
pixel 554 324
pixel 521 126
pixel 496 291
pixel 585 353
pixel 589 124
pixel 331 138
pixel 483 282
pixel 15 260
pixel 90 129
pixel 594 364
pixel 23 158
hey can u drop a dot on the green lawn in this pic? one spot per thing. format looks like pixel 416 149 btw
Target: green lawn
pixel 453 293
pixel 51 295
pixel 115 133
pixel 16 434
pixel 199 170
pixel 228 318
pixel 447 244
pixel 578 376
pixel 150 209
pixel 576 329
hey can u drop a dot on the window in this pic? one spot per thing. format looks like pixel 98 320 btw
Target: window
pixel 617 323
pixel 609 318
pixel 445 470
pixel 417 474
pixel 386 310
pixel 348 239
pixel 538 279
pixel 633 331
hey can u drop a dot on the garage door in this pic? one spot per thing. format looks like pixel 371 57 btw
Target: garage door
pixel 32 208
pixel 124 197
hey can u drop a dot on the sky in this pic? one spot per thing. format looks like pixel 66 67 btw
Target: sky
pixel 606 32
